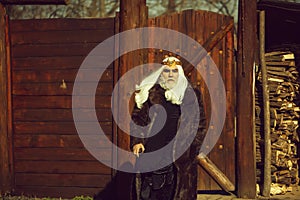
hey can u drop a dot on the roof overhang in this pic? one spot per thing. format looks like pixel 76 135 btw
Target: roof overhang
pixel 282 23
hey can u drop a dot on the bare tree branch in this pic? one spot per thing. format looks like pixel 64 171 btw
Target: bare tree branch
pixel 113 9
pixel 107 8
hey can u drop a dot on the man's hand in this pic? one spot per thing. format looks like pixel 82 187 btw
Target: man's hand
pixel 138 148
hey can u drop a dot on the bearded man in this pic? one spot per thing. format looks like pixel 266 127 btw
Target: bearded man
pixel 169 88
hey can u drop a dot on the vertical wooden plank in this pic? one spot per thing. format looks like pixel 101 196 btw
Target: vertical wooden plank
pixel 230 95
pixel 201 36
pixel 216 155
pixel 175 28
pixel 5 161
pixel 208 24
pixel 189 21
pixel 182 29
pixel 9 100
pixel 247 40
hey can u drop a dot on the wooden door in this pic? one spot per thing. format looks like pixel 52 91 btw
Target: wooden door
pixel 215 33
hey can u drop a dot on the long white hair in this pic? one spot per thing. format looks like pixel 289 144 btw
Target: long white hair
pixel 175 95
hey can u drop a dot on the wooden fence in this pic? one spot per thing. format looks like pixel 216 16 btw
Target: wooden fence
pixel 48 157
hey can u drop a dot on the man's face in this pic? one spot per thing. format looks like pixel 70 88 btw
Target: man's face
pixel 170 75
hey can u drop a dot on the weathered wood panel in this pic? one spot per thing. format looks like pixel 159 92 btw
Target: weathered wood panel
pixel 46 76
pixel 204 27
pixel 49 156
pixel 54 88
pixel 59 37
pixel 57 24
pixel 55 141
pixel 57 62
pixel 58 115
pixel 56 154
pixel 50 50
pixel 40 63
pixel 56 128
pixel 61 167
pixel 23 102
pixel 63 180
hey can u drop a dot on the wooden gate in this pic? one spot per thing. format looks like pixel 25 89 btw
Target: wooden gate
pixel 215 33
pixel 48 156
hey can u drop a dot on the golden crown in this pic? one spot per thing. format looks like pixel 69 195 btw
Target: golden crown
pixel 171 63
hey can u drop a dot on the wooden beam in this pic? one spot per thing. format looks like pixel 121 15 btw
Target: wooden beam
pixel 215 173
pixel 34 2
pixel 5 159
pixel 247 48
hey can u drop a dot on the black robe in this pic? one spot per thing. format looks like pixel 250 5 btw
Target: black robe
pixel 186 165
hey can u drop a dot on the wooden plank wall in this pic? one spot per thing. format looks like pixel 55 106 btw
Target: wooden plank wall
pixel 49 158
pixel 201 25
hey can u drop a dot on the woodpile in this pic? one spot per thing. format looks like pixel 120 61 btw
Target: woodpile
pixel 283 84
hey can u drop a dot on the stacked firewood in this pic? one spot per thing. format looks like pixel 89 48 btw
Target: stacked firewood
pixel 283 84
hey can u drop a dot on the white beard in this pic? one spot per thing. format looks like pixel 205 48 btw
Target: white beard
pixel 166 84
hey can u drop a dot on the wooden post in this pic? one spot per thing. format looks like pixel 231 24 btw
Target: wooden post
pixel 266 103
pixel 5 164
pixel 133 14
pixel 247 43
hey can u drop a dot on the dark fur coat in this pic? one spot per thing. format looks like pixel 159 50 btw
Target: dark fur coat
pixel 186 165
